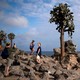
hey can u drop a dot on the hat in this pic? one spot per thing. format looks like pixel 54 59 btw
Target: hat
pixel 7 44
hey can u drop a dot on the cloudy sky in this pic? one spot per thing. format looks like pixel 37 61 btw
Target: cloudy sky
pixel 29 20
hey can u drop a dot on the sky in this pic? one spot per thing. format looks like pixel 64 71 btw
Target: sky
pixel 29 20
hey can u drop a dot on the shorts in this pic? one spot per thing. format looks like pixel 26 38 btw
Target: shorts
pixel 9 62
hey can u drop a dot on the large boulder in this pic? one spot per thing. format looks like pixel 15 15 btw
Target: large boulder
pixel 57 53
pixel 15 70
pixel 69 61
pixel 70 47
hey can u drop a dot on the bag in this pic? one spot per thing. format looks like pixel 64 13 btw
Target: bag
pixel 38 59
pixel 5 54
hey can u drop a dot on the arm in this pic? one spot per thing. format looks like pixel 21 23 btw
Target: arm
pixel 38 50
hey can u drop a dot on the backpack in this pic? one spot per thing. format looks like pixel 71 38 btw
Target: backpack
pixel 5 53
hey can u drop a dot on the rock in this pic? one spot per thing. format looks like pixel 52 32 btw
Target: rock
pixel 57 51
pixel 58 72
pixel 28 69
pixel 22 66
pixel 49 68
pixel 22 52
pixel 72 61
pixel 32 76
pixel 21 78
pixel 70 47
pixel 45 76
pixel 51 71
pixel 44 68
pixel 78 78
pixel 30 63
pixel 37 66
pixel 17 51
pixel 71 75
pixel 69 61
pixel 15 70
pixel 78 59
pixel 61 77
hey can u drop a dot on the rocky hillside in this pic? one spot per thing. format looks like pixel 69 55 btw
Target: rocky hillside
pixel 25 67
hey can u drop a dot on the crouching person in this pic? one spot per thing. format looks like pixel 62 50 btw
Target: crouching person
pixel 7 54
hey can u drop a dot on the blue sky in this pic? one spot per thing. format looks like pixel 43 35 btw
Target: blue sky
pixel 29 20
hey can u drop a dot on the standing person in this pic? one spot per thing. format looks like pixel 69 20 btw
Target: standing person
pixel 38 52
pixel 32 47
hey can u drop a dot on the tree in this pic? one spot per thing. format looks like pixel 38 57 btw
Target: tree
pixel 2 37
pixel 11 36
pixel 63 18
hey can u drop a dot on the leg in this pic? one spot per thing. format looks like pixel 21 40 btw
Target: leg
pixel 9 62
pixel 6 73
pixel 32 51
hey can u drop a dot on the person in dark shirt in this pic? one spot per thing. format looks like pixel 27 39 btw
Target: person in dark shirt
pixel 32 47
pixel 38 52
pixel 5 55
pixel 5 52
pixel 8 55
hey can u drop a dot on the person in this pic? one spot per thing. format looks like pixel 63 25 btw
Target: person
pixel 14 46
pixel 6 54
pixel 32 47
pixel 38 53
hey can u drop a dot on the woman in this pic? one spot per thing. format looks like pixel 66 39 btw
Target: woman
pixel 32 47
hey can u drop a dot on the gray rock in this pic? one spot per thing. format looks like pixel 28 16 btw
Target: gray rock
pixel 70 47
pixel 45 76
pixel 58 72
pixel 32 76
pixel 30 63
pixel 15 70
pixel 51 71
pixel 44 68
pixel 28 69
pixel 37 66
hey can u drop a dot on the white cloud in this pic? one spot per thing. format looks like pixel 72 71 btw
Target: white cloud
pixel 33 32
pixel 13 20
pixel 38 9
pixel 19 21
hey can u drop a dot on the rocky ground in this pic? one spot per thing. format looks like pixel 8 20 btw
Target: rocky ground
pixel 50 68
